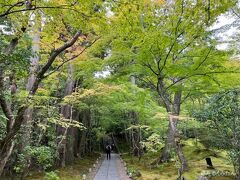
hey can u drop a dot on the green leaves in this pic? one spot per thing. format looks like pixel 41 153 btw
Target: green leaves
pixel 170 41
pixel 19 60
pixel 43 155
pixel 153 143
pixel 222 114
pixel 66 123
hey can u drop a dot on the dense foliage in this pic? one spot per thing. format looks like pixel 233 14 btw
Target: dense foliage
pixel 146 75
pixel 221 115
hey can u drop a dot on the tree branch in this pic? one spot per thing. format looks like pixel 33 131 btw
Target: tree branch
pixel 209 11
pixel 39 77
pixel 170 50
pixel 234 12
pixel 184 98
pixel 176 35
pixel 71 59
pixel 150 67
pixel 17 4
pixel 157 59
pixel 67 7
pixel 187 45
pixel 6 107
pixel 204 58
pixel 148 82
pixel 163 94
pixel 201 74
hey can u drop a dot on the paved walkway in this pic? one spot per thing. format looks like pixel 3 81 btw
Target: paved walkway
pixel 111 169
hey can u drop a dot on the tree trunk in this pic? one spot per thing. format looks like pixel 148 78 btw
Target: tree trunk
pixel 28 114
pixel 6 149
pixel 170 141
pixel 115 143
pixel 71 146
pixel 62 132
pixel 136 148
pixel 66 111
pixel 75 135
pixel 6 142
pixel 4 155
pixel 83 133
pixel 173 139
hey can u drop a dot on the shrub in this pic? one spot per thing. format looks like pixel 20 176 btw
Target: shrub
pixel 51 176
pixel 43 155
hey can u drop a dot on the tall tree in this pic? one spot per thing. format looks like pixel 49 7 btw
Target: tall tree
pixel 80 22
pixel 170 49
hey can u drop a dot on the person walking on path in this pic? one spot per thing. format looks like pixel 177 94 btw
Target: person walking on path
pixel 108 151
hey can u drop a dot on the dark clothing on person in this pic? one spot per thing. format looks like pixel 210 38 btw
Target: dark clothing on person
pixel 108 155
pixel 108 151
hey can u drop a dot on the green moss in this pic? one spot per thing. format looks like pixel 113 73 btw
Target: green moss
pixel 195 153
pixel 165 171
pixel 73 171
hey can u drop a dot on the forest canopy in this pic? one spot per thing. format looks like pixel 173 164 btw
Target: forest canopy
pixel 157 78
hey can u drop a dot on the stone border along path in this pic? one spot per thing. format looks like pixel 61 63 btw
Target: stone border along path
pixel 111 169
pixel 95 168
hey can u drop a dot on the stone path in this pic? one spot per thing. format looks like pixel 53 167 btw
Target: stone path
pixel 111 169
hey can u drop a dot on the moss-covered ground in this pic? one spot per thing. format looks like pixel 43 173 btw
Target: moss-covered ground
pixel 195 153
pixel 70 172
